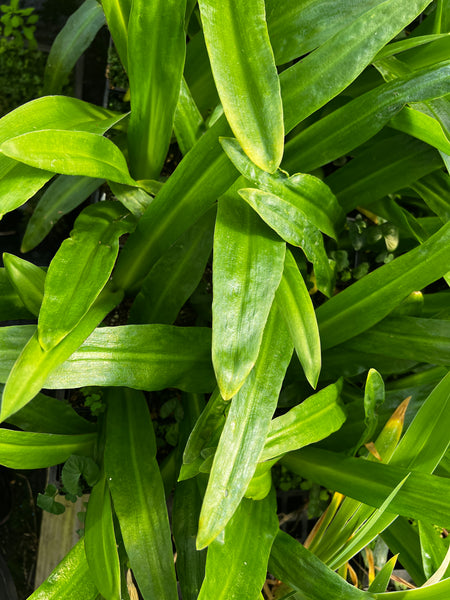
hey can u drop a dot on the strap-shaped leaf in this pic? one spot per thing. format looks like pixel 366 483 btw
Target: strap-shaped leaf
pixel 236 567
pixel 176 275
pixel 73 39
pixel 28 280
pixel 435 192
pixel 25 450
pixel 247 267
pixel 188 124
pixel 370 299
pixel 246 77
pixel 296 306
pixel 422 496
pixel 34 364
pixel 70 580
pixel 117 14
pixel 88 257
pixel 299 193
pixel 155 79
pixel 147 357
pixel 423 127
pixel 313 420
pixel 11 305
pixel 138 493
pixel 245 430
pixel 63 195
pixel 343 57
pixel 296 229
pixel 100 542
pixel 70 153
pixel 357 121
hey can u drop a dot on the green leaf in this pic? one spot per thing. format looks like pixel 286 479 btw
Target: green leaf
pixel 136 200
pixel 422 127
pixel 203 175
pixel 245 430
pixel 117 14
pixel 247 268
pixel 148 357
pixel 300 196
pixel 337 133
pixel 294 228
pixel 45 414
pixel 100 542
pixel 370 299
pixel 403 539
pixel 433 548
pixel 11 305
pixel 70 43
pixel 25 450
pixel 28 280
pixel 422 496
pixel 343 57
pixel 89 256
pixel 244 70
pixel 374 396
pixel 155 79
pixel 75 468
pixel 188 124
pixel 407 44
pixel 70 580
pixel 236 567
pixel 434 189
pixel 48 503
pixel 295 304
pixel 190 562
pixel 176 275
pixel 382 578
pixel 314 419
pixel 33 365
pixel 62 195
pixel 412 338
pixel 69 153
pixel 138 494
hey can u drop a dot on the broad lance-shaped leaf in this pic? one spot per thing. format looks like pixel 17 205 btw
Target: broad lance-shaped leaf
pixel 70 580
pixel 18 182
pixel 11 305
pixel 80 269
pixel 146 357
pixel 29 450
pixel 338 133
pixel 236 567
pixel 296 229
pixel 138 494
pixel 314 419
pixel 69 153
pixel 245 430
pixel 206 173
pixel 117 14
pixel 423 127
pixel 422 496
pixel 70 43
pixel 247 267
pixel 296 307
pixel 309 575
pixel 176 275
pixel 370 299
pixel 61 196
pixel 33 365
pixel 299 193
pixel 28 280
pixel 343 57
pixel 155 79
pixel 100 542
pixel 246 77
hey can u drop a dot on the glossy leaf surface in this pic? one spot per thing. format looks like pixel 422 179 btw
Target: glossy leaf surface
pixel 138 495
pixel 246 77
pixel 76 35
pixel 117 14
pixel 28 279
pixel 296 307
pixel 11 305
pixel 236 567
pixel 25 450
pixel 100 542
pixel 247 268
pixel 245 431
pixel 155 79
pixel 89 255
pixel 367 301
pixel 63 195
